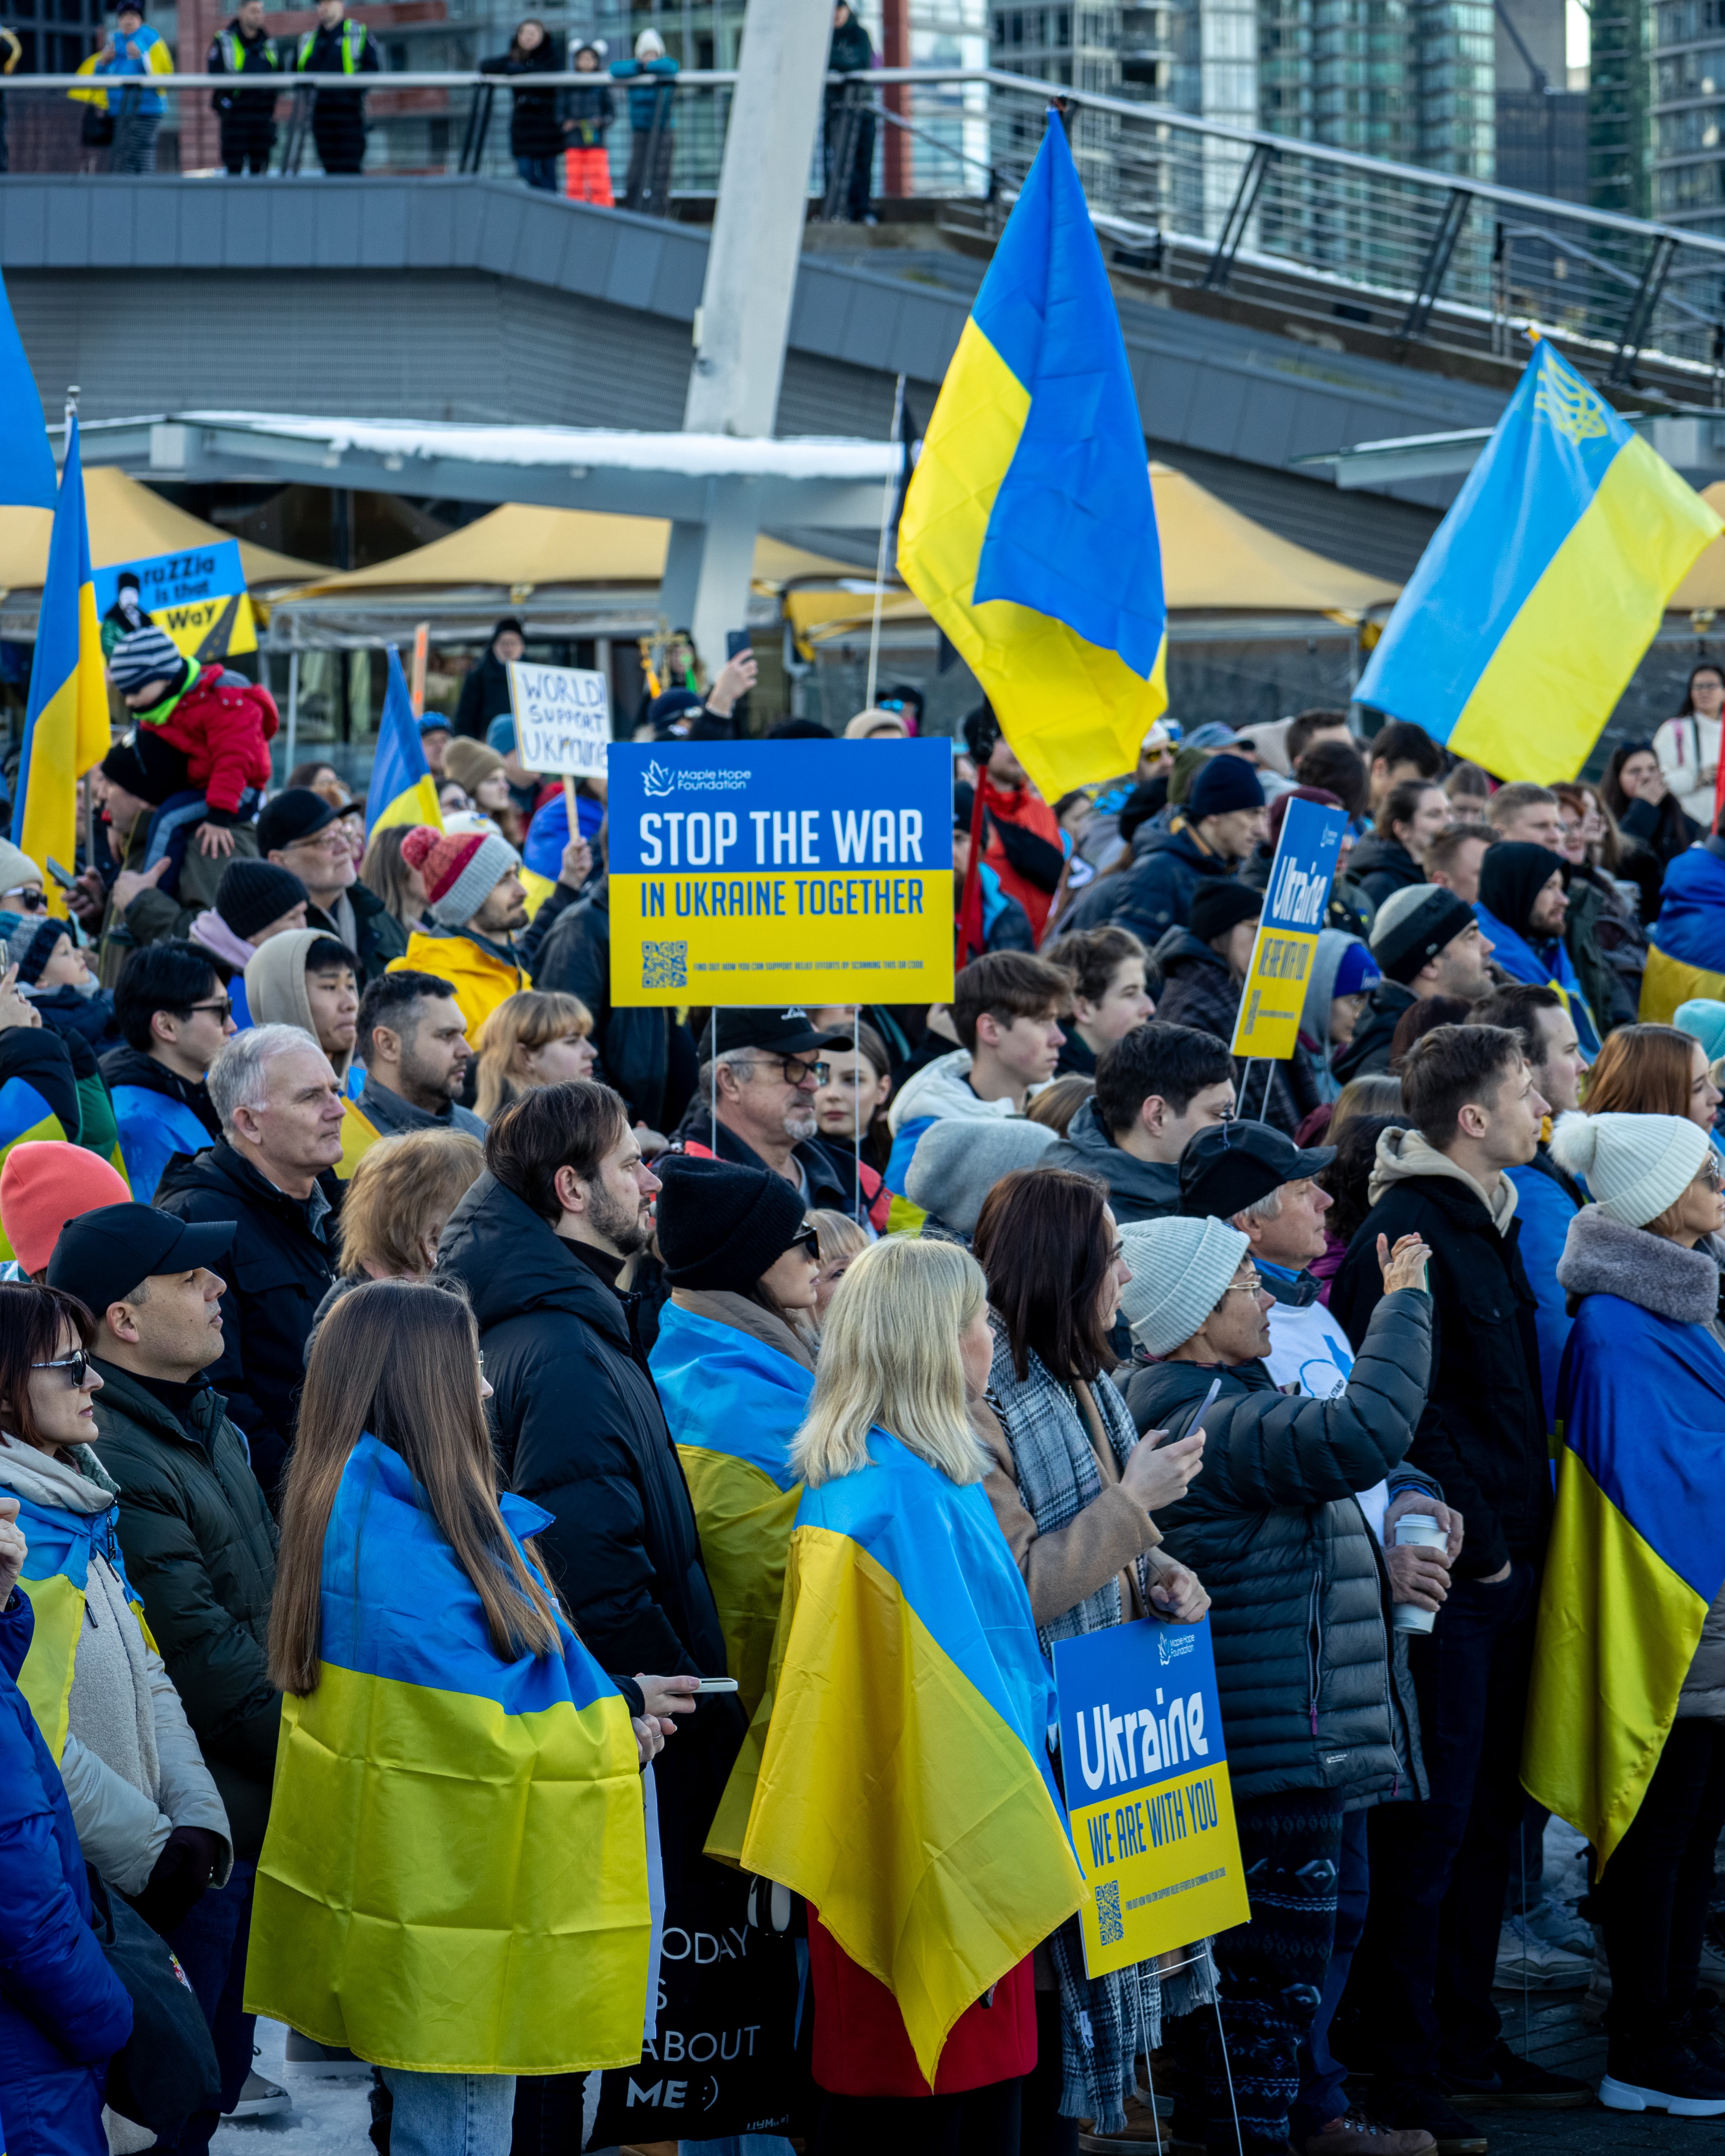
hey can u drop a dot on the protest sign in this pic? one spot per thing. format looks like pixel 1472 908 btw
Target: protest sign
pixel 1147 1795
pixel 563 719
pixel 1295 901
pixel 197 596
pixel 781 872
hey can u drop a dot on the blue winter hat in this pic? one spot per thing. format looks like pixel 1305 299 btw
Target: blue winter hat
pixel 1704 1020
pixel 1211 734
pixel 1225 782
pixel 1358 972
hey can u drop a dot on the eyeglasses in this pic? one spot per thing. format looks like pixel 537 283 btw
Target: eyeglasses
pixel 334 840
pixel 795 1069
pixel 1712 1173
pixel 76 1367
pixel 224 1008
pixel 1248 1286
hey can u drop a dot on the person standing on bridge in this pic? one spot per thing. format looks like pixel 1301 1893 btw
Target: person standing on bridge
pixel 338 116
pixel 648 76
pixel 247 116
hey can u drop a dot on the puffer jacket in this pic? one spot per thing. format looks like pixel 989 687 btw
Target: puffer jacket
pixel 1155 893
pixel 1313 1696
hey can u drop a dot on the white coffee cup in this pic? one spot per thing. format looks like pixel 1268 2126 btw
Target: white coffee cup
pixel 1419 1531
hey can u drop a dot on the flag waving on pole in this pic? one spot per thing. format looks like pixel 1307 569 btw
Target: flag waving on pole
pixel 402 788
pixel 66 721
pixel 1029 531
pixel 1544 586
pixel 25 460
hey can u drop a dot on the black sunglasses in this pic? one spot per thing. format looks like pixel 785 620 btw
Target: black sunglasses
pixel 76 1367
pixel 809 1242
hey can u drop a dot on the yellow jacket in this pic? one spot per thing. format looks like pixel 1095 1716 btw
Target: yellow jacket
pixel 478 982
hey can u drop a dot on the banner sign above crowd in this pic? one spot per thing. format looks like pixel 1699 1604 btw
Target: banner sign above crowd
pixel 1147 1794
pixel 563 719
pixel 1295 901
pixel 197 596
pixel 781 872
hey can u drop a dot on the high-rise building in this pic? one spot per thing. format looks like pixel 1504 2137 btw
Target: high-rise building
pixel 1688 111
pixel 1618 103
pixel 1542 123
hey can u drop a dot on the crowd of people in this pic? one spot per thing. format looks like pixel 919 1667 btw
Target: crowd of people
pixel 497 1489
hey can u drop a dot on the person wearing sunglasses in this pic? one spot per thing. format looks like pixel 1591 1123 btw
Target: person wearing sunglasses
pixel 734 1363
pixel 755 1105
pixel 174 1014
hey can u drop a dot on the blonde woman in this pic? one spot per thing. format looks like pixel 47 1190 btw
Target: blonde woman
pixel 841 1239
pixel 537 1037
pixel 399 1198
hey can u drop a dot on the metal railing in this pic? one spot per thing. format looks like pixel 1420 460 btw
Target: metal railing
pixel 1246 218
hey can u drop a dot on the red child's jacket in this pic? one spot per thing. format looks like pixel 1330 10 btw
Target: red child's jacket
pixel 221 726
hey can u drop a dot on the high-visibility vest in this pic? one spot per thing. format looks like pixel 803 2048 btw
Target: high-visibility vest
pixel 353 43
pixel 237 53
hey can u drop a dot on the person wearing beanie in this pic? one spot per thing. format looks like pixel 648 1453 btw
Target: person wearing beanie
pixel 1426 943
pixel 173 1016
pixel 1292 1527
pixel 44 1183
pixel 1439 1870
pixel 956 1163
pixel 308 980
pixel 300 831
pixel 735 1366
pixel 1343 978
pixel 484 692
pixel 483 776
pixel 1212 836
pixel 1628 1736
pixel 21 882
pixel 55 976
pixel 477 903
pixel 204 730
pixel 1521 909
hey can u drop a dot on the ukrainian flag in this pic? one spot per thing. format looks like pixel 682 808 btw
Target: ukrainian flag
pixel 66 722
pixel 402 790
pixel 56 1578
pixel 1686 956
pixel 903 1786
pixel 25 460
pixel 454 1877
pixel 359 1134
pixel 1542 586
pixel 1636 1558
pixel 733 1405
pixel 1029 530
pixel 24 1116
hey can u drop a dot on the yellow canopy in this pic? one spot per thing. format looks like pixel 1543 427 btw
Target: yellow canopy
pixel 519 548
pixel 128 522
pixel 1704 587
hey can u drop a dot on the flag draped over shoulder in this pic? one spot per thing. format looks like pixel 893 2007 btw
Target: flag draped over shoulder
pixel 66 722
pixel 454 1877
pixel 1636 1558
pixel 903 1785
pixel 25 460
pixel 56 1577
pixel 733 1404
pixel 401 790
pixel 1686 957
pixel 1028 529
pixel 1542 586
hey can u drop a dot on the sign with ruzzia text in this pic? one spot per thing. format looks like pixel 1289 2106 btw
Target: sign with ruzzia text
pixel 563 719
pixel 781 872
pixel 1295 904
pixel 197 596
pixel 1148 1796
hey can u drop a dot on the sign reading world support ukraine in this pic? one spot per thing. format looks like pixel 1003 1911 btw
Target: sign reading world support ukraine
pixel 1296 899
pixel 1147 1795
pixel 781 872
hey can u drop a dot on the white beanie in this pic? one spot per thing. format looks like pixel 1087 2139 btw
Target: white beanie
pixel 1636 1166
pixel 1180 1270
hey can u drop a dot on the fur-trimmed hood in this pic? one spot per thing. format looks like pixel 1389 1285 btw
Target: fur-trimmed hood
pixel 1603 1257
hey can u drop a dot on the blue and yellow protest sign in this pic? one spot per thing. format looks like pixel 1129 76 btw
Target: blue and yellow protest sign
pixel 197 596
pixel 781 872
pixel 1295 901
pixel 1147 1795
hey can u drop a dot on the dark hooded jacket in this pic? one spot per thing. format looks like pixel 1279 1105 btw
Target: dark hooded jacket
pixel 1368 1051
pixel 1382 866
pixel 1138 1189
pixel 1155 894
pixel 1200 991
pixel 1313 1694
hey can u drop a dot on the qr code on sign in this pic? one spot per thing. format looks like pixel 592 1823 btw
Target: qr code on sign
pixel 664 965
pixel 1108 1911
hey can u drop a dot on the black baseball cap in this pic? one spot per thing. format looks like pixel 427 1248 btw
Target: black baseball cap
pixel 1232 1165
pixel 101 1257
pixel 295 813
pixel 777 1032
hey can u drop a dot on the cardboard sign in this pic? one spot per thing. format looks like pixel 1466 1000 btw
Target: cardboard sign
pixel 563 719
pixel 1296 901
pixel 1147 1794
pixel 781 872
pixel 199 598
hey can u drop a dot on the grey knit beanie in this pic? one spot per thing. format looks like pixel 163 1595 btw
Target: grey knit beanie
pixel 958 1161
pixel 1180 1269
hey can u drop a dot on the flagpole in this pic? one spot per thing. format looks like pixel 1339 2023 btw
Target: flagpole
pixel 898 420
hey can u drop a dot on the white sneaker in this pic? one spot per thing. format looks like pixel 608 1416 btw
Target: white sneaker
pixel 260 2099
pixel 1525 1961
pixel 1559 1924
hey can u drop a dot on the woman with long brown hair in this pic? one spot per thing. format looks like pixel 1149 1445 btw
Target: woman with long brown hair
pixel 1653 1070
pixel 454 1881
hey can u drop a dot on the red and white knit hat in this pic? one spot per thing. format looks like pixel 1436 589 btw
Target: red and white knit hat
pixel 460 869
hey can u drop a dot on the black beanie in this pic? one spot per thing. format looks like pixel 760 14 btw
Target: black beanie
pixel 125 767
pixel 1511 876
pixel 252 894
pixel 721 1226
pixel 1220 903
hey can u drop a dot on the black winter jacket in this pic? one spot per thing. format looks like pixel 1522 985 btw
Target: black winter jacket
pixel 644 1054
pixel 1155 894
pixel 42 1059
pixel 1382 866
pixel 278 1272
pixel 534 128
pixel 200 1548
pixel 377 935
pixel 1483 1433
pixel 1313 1697
pixel 1369 1048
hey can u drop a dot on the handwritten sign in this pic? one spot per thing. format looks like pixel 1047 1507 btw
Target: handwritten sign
pixel 1295 905
pixel 1147 1794
pixel 563 719
pixel 197 596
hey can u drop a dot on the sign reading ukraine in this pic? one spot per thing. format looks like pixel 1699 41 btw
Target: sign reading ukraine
pixel 1147 1795
pixel 781 872
pixel 1296 900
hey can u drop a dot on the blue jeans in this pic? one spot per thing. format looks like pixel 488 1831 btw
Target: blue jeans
pixel 449 2114
pixel 1322 2077
pixel 211 1948
pixel 541 173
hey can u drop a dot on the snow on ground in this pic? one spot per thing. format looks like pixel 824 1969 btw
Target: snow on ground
pixel 330 2117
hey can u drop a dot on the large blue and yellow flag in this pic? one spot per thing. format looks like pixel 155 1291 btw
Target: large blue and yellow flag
pixel 1686 955
pixel 903 1784
pixel 1029 531
pixel 1636 1558
pixel 402 790
pixel 56 1578
pixel 454 1878
pixel 733 1404
pixel 25 460
pixel 66 721
pixel 1543 585
pixel 25 1117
